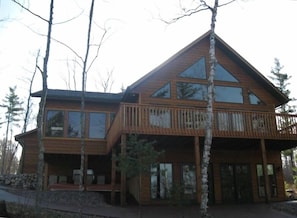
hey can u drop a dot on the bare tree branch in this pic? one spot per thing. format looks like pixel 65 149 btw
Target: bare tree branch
pixel 28 10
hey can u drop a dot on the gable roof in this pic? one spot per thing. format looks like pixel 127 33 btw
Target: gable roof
pixel 56 94
pixel 253 72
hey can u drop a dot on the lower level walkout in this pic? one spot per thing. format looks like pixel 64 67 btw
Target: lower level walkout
pixel 236 174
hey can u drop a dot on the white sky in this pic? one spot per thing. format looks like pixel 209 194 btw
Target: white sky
pixel 259 30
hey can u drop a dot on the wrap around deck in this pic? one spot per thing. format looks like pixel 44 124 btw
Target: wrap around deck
pixel 174 120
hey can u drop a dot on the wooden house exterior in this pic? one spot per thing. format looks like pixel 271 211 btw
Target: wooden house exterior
pixel 168 105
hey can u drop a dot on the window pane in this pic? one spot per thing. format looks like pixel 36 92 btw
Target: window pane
pixel 160 118
pixel 189 179
pixel 165 180
pixel 271 180
pixel 254 99
pixel 223 75
pixel 154 182
pixel 54 123
pixel 161 181
pixel 97 125
pixel 163 92
pixel 74 124
pixel 197 70
pixel 228 94
pixel 192 91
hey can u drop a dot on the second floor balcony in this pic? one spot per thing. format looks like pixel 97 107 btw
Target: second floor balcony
pixel 174 120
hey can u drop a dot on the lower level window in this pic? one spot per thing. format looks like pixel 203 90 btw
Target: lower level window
pixel 189 179
pixel 271 180
pixel 161 181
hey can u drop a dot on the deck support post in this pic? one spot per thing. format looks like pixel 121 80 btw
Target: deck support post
pixel 123 175
pixel 85 173
pixel 113 176
pixel 265 172
pixel 198 168
pixel 45 179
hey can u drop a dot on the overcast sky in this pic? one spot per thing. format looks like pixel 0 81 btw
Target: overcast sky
pixel 137 41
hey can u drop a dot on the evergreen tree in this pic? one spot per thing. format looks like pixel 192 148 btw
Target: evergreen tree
pixel 140 157
pixel 281 81
pixel 13 107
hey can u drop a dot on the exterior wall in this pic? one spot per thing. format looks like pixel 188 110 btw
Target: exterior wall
pixel 61 145
pixel 30 155
pixel 185 155
pixel 170 73
pixel 252 157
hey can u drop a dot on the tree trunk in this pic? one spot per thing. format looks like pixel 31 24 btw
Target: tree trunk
pixel 82 109
pixel 40 125
pixel 209 121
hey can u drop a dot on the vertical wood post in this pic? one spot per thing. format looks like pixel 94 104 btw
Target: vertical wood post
pixel 45 179
pixel 123 175
pixel 113 176
pixel 198 168
pixel 265 172
pixel 85 172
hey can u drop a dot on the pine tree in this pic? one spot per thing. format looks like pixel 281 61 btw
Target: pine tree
pixel 13 107
pixel 281 81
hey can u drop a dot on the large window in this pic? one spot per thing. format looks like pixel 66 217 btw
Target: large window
pixel 161 181
pixel 97 125
pixel 196 71
pixel 271 182
pixel 74 124
pixel 228 94
pixel 193 91
pixel 254 99
pixel 160 118
pixel 230 121
pixel 223 75
pixel 163 92
pixel 189 179
pixel 54 123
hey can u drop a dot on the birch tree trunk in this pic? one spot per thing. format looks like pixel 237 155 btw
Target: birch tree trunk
pixel 40 125
pixel 209 121
pixel 83 172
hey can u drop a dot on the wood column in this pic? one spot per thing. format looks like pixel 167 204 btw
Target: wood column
pixel 198 168
pixel 265 172
pixel 113 176
pixel 85 172
pixel 45 178
pixel 123 175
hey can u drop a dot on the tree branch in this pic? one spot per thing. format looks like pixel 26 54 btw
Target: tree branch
pixel 28 10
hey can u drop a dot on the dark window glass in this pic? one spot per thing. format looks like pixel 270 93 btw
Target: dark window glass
pixel 271 178
pixel 54 123
pixel 189 179
pixel 254 99
pixel 74 124
pixel 161 181
pixel 223 75
pixel 197 70
pixel 228 94
pixel 192 91
pixel 97 125
pixel 163 92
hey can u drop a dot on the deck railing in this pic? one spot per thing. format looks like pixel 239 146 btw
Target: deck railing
pixel 167 120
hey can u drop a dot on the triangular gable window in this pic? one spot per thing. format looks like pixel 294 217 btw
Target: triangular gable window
pixel 196 71
pixel 254 99
pixel 223 75
pixel 163 92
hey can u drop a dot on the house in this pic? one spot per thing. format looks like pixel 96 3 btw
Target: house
pixel 168 105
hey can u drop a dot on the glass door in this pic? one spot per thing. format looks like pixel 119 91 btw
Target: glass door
pixel 236 183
